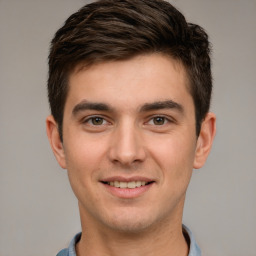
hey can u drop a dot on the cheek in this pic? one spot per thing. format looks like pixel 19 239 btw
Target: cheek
pixel 82 165
pixel 83 151
pixel 83 158
pixel 175 156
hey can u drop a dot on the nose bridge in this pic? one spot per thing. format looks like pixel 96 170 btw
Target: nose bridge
pixel 127 145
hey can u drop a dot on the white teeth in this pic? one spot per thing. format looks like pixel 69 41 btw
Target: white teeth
pixel 123 184
pixel 138 183
pixel 131 184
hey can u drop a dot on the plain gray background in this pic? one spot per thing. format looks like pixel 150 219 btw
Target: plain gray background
pixel 39 212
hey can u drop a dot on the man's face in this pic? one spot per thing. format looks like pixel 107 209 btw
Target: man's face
pixel 129 141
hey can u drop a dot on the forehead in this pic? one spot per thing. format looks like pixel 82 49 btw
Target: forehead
pixel 144 78
pixel 137 60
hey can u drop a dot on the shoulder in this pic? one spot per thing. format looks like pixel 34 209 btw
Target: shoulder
pixel 63 252
pixel 71 250
pixel 194 249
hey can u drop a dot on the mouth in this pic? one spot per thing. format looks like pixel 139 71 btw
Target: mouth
pixel 125 185
pixel 128 188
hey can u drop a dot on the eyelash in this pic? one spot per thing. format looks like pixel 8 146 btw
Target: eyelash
pixel 90 120
pixel 162 118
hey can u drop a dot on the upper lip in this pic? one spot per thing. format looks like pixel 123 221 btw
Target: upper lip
pixel 126 179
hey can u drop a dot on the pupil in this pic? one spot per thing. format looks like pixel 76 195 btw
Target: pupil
pixel 97 120
pixel 159 120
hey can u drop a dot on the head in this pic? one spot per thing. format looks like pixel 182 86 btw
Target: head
pixel 114 30
pixel 129 88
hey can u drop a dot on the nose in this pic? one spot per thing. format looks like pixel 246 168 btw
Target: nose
pixel 126 146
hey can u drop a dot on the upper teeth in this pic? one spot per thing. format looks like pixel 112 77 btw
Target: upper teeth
pixel 131 184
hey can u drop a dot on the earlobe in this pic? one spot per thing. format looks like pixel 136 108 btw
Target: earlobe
pixel 55 141
pixel 205 140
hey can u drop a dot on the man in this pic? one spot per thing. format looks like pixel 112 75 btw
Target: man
pixel 129 89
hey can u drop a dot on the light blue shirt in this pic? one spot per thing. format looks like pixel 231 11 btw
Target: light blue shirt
pixel 194 250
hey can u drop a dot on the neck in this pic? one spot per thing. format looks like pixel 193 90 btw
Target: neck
pixel 164 239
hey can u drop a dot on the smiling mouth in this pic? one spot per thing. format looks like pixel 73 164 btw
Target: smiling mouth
pixel 130 184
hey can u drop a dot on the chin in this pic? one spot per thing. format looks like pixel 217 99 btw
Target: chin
pixel 130 222
pixel 129 226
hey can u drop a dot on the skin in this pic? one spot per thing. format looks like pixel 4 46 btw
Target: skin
pixel 132 119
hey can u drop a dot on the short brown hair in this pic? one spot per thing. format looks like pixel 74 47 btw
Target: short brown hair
pixel 109 30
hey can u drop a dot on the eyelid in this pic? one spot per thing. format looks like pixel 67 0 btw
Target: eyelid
pixel 168 119
pixel 88 119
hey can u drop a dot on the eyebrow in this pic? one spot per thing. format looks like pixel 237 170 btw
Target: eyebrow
pixel 167 104
pixel 86 105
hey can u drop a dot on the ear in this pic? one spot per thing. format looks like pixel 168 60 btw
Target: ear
pixel 55 142
pixel 205 140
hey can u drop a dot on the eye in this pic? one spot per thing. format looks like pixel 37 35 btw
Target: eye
pixel 158 120
pixel 96 121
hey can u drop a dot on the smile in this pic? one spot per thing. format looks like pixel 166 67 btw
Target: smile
pixel 130 184
pixel 128 188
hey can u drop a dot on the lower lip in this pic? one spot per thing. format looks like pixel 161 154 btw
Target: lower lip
pixel 128 192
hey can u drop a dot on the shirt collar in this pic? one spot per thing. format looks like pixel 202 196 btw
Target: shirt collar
pixel 193 251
